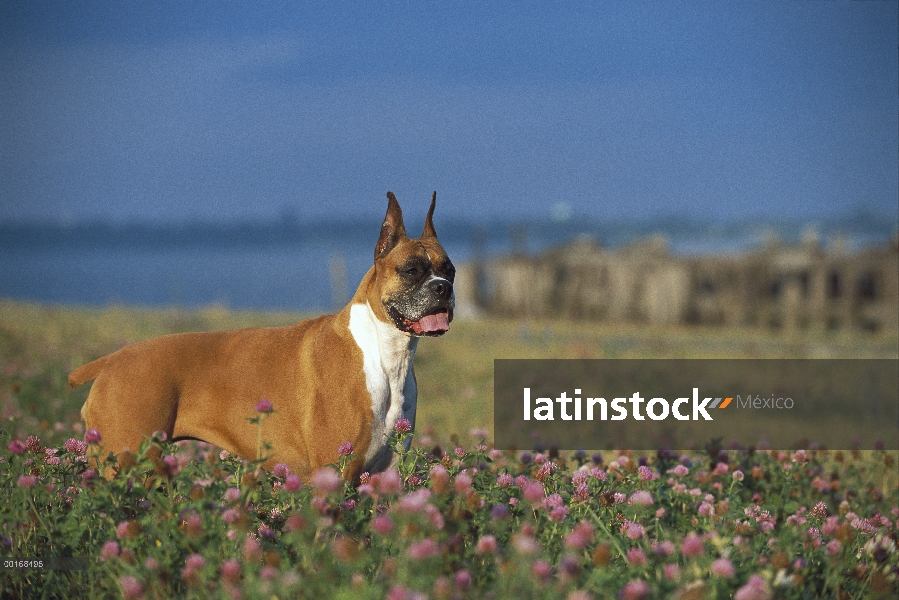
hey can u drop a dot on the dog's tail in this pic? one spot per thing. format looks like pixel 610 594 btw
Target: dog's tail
pixel 85 373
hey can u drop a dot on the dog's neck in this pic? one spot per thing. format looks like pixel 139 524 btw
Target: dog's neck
pixel 395 348
pixel 387 355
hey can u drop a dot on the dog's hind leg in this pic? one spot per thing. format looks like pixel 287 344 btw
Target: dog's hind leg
pixel 124 414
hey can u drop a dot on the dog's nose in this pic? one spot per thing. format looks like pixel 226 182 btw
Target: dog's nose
pixel 441 288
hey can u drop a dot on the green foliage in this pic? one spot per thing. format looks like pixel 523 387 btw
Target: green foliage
pixel 185 520
pixel 188 520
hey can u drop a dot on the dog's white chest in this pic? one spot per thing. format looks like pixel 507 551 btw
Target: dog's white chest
pixel 387 355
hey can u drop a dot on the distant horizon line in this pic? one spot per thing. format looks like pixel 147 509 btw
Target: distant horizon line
pixel 852 215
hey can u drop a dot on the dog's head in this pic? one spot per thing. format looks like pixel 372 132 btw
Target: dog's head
pixel 414 276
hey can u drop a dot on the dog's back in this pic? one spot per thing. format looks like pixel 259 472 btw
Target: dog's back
pixel 142 387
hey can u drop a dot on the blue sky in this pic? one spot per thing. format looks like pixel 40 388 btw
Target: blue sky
pixel 157 111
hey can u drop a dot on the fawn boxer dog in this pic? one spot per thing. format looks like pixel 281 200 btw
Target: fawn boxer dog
pixel 345 377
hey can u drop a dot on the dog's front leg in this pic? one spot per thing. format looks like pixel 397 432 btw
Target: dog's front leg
pixel 410 402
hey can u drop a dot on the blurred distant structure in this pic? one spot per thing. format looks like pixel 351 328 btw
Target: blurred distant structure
pixel 340 284
pixel 804 286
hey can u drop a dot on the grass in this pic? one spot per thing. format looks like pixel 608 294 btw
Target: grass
pixel 182 520
pixel 40 344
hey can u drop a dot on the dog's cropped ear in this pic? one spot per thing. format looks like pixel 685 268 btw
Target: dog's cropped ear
pixel 392 230
pixel 429 222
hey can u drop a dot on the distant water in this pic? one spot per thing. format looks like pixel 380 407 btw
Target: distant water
pixel 265 278
pixel 285 265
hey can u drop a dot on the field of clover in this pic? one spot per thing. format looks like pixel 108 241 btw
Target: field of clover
pixel 464 521
pixel 457 518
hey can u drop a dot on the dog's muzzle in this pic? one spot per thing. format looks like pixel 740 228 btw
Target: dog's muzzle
pixel 429 316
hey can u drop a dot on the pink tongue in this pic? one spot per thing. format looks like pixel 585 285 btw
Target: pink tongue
pixel 438 322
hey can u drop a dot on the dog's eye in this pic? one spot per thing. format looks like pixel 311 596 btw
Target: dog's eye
pixel 413 272
pixel 449 271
